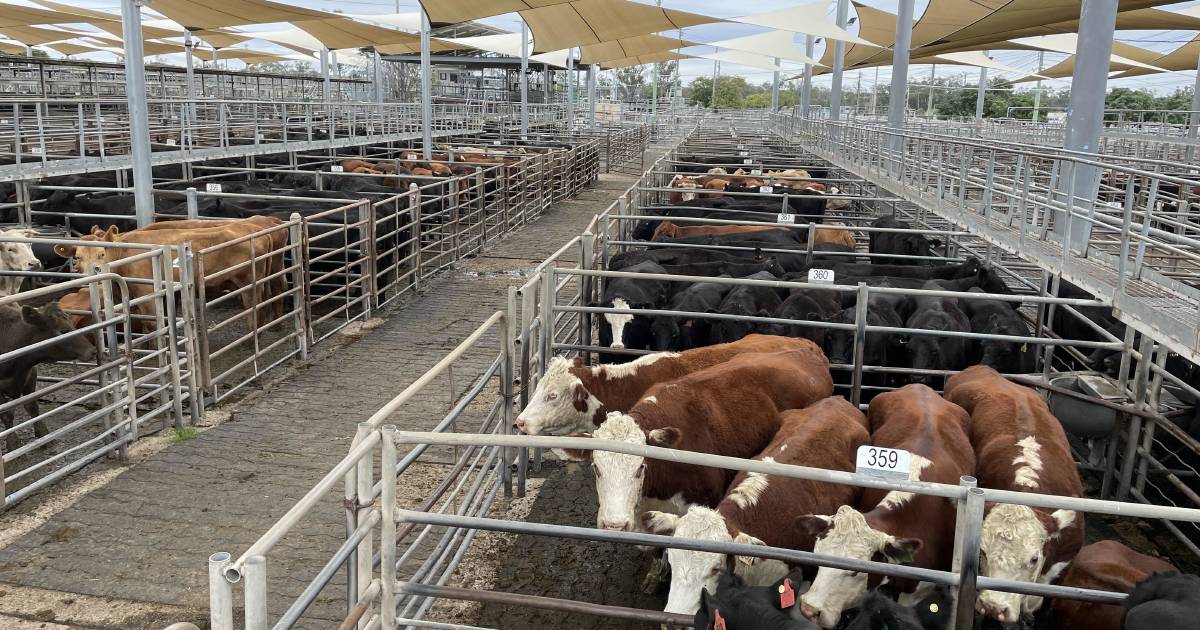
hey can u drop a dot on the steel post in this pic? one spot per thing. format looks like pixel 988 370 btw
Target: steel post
pixel 426 90
pixel 968 554
pixel 982 92
pixel 570 88
pixel 189 64
pixel 256 593
pixel 1085 120
pixel 325 84
pixel 220 591
pixel 378 59
pixel 1037 93
pixel 716 76
pixel 932 77
pixel 1194 123
pixel 525 79
pixel 839 63
pixel 806 88
pixel 874 91
pixel 775 88
pixel 654 95
pixel 593 70
pixel 898 98
pixel 139 120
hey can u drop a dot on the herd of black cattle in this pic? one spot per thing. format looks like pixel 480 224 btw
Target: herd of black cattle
pixel 901 260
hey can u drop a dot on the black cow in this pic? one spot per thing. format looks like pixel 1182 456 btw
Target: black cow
pixel 969 268
pixel 677 256
pixel 900 244
pixel 937 353
pixel 995 317
pixel 881 348
pixel 619 330
pixel 740 607
pixel 674 333
pixel 878 612
pixel 746 301
pixel 1161 601
pixel 816 305
pixel 25 326
pixel 112 207
pixel 734 269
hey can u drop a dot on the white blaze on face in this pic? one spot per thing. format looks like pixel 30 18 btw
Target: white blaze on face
pixel 1012 544
pixel 835 590
pixel 551 409
pixel 694 571
pixel 619 477
pixel 618 321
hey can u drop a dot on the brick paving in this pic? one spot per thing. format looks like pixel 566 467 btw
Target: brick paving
pixel 146 536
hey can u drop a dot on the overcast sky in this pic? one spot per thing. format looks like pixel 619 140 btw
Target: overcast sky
pixel 690 69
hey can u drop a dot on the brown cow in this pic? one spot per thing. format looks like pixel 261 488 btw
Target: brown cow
pixel 232 258
pixel 836 237
pixel 682 183
pixel 666 230
pixel 574 397
pixel 1104 566
pixel 903 527
pixel 1021 447
pixel 762 509
pixel 78 307
pixel 351 166
pixel 729 409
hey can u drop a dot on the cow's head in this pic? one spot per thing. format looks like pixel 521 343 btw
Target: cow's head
pixel 620 477
pixel 846 535
pixel 85 258
pixel 49 322
pixel 1012 546
pixel 692 572
pixel 559 404
pixel 685 183
pixel 17 256
pixel 618 321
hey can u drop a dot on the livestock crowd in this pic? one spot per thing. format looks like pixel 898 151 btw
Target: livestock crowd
pixel 760 389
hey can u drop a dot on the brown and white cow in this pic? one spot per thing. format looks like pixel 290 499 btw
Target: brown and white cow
pixel 762 509
pixel 667 229
pixel 1104 566
pixel 686 189
pixel 729 409
pixel 902 527
pixel 1021 447
pixel 574 397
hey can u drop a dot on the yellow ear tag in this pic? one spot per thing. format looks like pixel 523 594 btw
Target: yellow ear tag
pixel 1024 348
pixel 933 608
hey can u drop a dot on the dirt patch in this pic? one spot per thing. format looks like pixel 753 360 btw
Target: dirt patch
pixel 50 609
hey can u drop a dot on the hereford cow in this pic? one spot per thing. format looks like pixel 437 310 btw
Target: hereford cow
pixel 685 188
pixel 903 527
pixel 573 397
pixel 729 409
pixel 1104 566
pixel 761 509
pixel 666 230
pixel 1021 447
pixel 15 256
pixel 24 326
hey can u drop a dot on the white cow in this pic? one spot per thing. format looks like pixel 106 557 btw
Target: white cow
pixel 15 257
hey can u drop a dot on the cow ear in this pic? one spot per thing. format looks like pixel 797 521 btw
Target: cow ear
pixel 746 539
pixel 814 525
pixel 111 234
pixel 901 550
pixel 96 231
pixel 64 251
pixel 580 397
pixel 1062 520
pixel 666 437
pixel 660 523
pixel 575 454
pixel 31 315
pixel 578 362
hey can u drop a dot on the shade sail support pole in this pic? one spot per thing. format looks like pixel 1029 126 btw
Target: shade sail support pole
pixel 139 120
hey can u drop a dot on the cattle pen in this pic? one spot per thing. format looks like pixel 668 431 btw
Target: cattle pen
pixel 481 317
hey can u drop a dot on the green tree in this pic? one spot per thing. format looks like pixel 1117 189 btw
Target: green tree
pixel 1125 98
pixel 630 81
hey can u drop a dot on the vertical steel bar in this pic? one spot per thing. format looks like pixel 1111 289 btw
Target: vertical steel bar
pixel 860 342
pixel 981 94
pixel 220 592
pixel 900 53
pixel 964 601
pixel 387 529
pixel 256 593
pixel 1037 91
pixel 524 79
pixel 839 63
pixel 806 86
pixel 426 90
pixel 139 121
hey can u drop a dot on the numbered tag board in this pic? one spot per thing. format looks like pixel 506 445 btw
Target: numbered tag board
pixel 743 153
pixel 337 168
pixel 495 143
pixel 820 275
pixel 766 190
pixel 877 461
pixel 784 217
pixel 756 172
pixel 747 161
pixel 212 188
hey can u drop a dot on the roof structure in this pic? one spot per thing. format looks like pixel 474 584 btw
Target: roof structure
pixel 32 35
pixel 805 18
pixel 443 12
pixel 770 44
pixel 584 22
pixel 630 47
pixel 640 60
pixel 196 16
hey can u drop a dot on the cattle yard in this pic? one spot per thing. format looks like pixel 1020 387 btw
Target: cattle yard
pixel 904 257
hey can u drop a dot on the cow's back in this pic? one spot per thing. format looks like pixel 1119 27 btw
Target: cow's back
pixel 824 435
pixel 1107 566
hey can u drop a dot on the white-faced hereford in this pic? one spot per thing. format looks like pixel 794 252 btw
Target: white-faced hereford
pixel 898 527
pixel 762 509
pixel 729 409
pixel 1021 447
pixel 573 397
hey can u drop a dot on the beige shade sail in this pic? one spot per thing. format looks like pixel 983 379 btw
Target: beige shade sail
pixel 245 54
pixel 642 60
pixel 12 48
pixel 408 21
pixel 221 39
pixel 148 32
pixel 771 44
pixel 805 18
pixel 979 60
pixel 630 47
pixel 16 15
pixel 294 39
pixel 32 35
pixel 195 15
pixel 339 32
pixel 1066 67
pixel 1182 58
pixel 1069 42
pixel 584 22
pixel 442 12
pixel 414 47
pixel 873 24
pixel 750 60
pixel 508 44
pixel 161 48
pixel 68 48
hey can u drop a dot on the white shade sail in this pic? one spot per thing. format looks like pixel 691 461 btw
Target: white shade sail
pixel 806 18
pixel 504 44
pixel 750 60
pixel 292 37
pixel 771 44
pixel 1068 42
pixel 554 58
pixel 407 21
pixel 980 60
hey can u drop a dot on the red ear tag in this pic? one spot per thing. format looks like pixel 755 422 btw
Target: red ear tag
pixel 687 323
pixel 787 595
pixel 719 623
